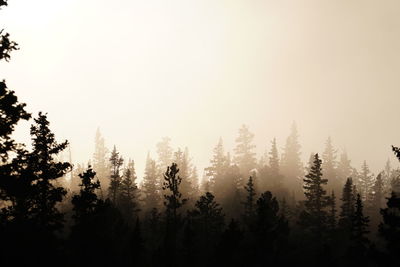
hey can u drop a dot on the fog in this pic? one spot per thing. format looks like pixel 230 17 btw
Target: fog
pixel 197 70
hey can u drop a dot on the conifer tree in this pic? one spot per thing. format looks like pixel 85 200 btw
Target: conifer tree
pixel 291 165
pixel 344 169
pixel 151 186
pixel 46 170
pixel 347 207
pixel 100 160
pixel 244 151
pixel 365 182
pixel 128 192
pixel 173 200
pixel 314 216
pixel 116 162
pixel 274 174
pixel 208 221
pixel 86 202
pixel 249 203
pixel 164 152
pixel 359 224
pixel 329 165
pixel 217 166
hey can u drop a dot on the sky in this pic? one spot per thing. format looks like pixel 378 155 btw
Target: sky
pixel 197 70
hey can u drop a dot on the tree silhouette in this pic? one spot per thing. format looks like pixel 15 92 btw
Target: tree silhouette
pixel 115 179
pixel 315 215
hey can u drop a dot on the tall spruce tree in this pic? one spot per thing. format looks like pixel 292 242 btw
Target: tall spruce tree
pixel 151 186
pixel 217 167
pixel 315 215
pixel 46 170
pixel 347 207
pixel 116 162
pixel 128 193
pixel 291 165
pixel 250 203
pixel 244 151
pixel 100 160
pixel 344 168
pixel 329 165
pixel 365 182
pixel 359 223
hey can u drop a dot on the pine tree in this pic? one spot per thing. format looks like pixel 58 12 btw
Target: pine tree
pixel 329 166
pixel 244 151
pixel 128 193
pixel 359 224
pixel 249 204
pixel 291 165
pixel 151 186
pixel 274 174
pixel 347 207
pixel 208 221
pixel 164 152
pixel 173 202
pixel 100 161
pixel 45 171
pixel 314 216
pixel 116 162
pixel 344 169
pixel 365 182
pixel 86 202
pixel 216 170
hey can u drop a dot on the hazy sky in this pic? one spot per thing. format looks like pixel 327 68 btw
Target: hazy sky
pixel 197 70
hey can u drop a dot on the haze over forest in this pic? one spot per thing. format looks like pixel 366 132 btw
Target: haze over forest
pixel 197 70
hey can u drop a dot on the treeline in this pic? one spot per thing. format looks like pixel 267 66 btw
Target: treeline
pixel 246 212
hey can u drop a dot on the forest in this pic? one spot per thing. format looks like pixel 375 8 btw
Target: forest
pixel 246 211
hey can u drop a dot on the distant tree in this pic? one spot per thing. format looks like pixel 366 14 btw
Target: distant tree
pixel 217 167
pixel 365 182
pixel 151 186
pixel 244 151
pixel 249 204
pixel 314 216
pixel 291 165
pixel 100 160
pixel 275 177
pixel 329 165
pixel 344 168
pixel 165 153
pixel 128 192
pixel 189 188
pixel 347 207
pixel 116 162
